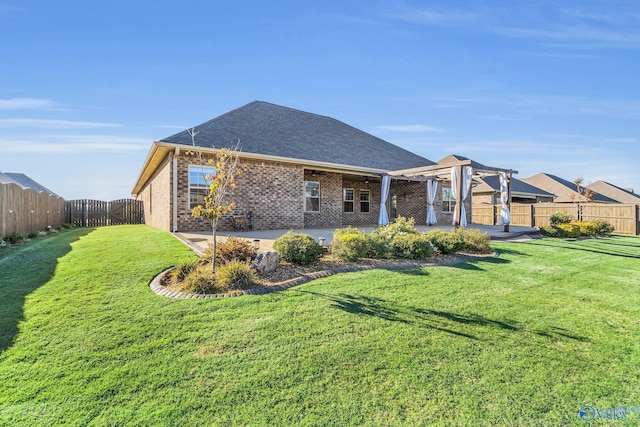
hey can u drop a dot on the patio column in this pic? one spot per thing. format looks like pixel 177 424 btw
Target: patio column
pixel 383 218
pixel 461 177
pixel 432 188
pixel 505 199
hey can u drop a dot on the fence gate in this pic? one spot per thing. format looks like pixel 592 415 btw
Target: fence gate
pixel 96 213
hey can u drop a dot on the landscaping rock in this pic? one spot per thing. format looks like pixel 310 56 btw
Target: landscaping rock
pixel 266 262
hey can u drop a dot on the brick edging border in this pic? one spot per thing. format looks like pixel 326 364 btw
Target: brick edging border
pixel 158 289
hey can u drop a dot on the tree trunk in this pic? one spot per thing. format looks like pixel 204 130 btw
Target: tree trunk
pixel 214 225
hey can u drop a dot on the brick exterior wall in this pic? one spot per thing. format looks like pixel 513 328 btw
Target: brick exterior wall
pixel 272 195
pixel 357 217
pixel 330 214
pixel 156 196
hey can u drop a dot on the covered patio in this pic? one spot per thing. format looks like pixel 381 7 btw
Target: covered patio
pixel 460 172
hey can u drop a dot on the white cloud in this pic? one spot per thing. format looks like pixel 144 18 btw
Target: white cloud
pixel 410 128
pixel 26 104
pixel 53 124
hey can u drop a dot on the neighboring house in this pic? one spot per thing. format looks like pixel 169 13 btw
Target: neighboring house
pixel 24 182
pixel 565 191
pixel 620 195
pixel 488 191
pixel 300 170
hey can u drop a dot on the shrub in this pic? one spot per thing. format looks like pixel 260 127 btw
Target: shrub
pixel 235 275
pixel 230 249
pixel 476 241
pixel 412 246
pixel 378 246
pixel 66 226
pixel 586 228
pixel 446 242
pixel 350 244
pixel 569 230
pixel 401 225
pixel 42 233
pixel 298 248
pixel 182 270
pixel 14 238
pixel 32 235
pixel 602 227
pixel 200 280
pixel 560 218
pixel 550 231
pixel 3 244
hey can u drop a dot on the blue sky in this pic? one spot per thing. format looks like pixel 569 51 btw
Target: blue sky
pixel 536 85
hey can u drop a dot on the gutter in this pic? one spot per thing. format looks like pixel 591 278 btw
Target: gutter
pixel 174 190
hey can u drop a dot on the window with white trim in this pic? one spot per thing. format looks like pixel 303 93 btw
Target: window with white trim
pixel 448 201
pixel 365 201
pixel 347 200
pixel 198 186
pixel 311 196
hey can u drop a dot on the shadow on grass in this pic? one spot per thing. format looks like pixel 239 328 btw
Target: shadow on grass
pixel 23 271
pixel 613 246
pixel 450 323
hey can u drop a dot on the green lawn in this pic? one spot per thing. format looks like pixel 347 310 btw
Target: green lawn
pixel 524 339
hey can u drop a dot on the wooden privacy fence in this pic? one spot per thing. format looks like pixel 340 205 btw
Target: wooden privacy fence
pixel 23 210
pixel 624 218
pixel 96 213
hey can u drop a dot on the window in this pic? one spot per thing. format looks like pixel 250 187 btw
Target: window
pixel 365 199
pixel 198 187
pixel 311 196
pixel 448 201
pixel 347 198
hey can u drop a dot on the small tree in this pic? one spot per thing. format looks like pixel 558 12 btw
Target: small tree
pixel 219 184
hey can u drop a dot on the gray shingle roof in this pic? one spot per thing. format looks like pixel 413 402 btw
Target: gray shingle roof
pixel 24 181
pixel 269 129
pixel 517 186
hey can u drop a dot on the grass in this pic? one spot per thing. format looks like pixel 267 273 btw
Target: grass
pixel 523 339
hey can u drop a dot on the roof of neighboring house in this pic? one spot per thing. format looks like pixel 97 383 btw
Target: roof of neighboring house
pixel 563 189
pixel 23 181
pixel 492 183
pixel 614 192
pixel 272 130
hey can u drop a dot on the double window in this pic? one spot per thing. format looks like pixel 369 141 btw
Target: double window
pixel 448 201
pixel 311 196
pixel 198 186
pixel 348 200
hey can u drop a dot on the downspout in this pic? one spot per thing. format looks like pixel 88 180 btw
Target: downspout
pixel 174 190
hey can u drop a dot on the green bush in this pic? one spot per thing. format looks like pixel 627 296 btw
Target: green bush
pixel 569 230
pixel 401 225
pixel 235 275
pixel 476 241
pixel 298 248
pixel 602 227
pixel 551 231
pixel 200 280
pixel 32 235
pixel 586 228
pixel 378 246
pixel 230 249
pixel 412 246
pixel 350 244
pixel 14 238
pixel 446 242
pixel 560 218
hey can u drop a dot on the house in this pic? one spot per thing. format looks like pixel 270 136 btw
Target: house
pixel 565 191
pixel 487 191
pixel 620 195
pixel 300 170
pixel 24 182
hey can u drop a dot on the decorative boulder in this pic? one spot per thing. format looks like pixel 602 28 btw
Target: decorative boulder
pixel 266 262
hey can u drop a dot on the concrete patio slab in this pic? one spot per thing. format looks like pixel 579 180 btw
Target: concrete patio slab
pixel 200 240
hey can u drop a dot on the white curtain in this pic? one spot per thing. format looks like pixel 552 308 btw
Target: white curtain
pixel 505 215
pixel 383 218
pixel 467 176
pixel 432 188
